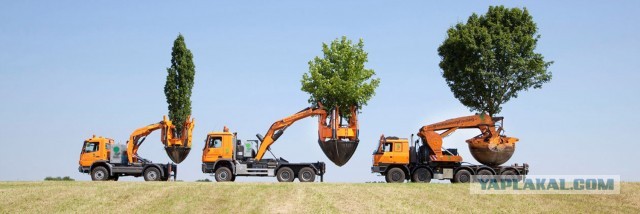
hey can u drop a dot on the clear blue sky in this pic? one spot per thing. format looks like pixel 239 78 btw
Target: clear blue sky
pixel 70 69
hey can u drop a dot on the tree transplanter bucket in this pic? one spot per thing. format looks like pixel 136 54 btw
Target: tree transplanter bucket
pixel 484 155
pixel 339 152
pixel 177 154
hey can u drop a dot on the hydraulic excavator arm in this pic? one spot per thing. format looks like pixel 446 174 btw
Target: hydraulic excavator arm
pixel 277 128
pixel 137 138
pixel 336 141
pixel 486 124
pixel 177 147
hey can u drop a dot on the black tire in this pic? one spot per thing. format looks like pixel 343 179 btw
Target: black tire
pixel 152 174
pixel 462 176
pixel 100 173
pixel 421 175
pixel 285 174
pixel 509 175
pixel 306 174
pixel 484 175
pixel 395 175
pixel 223 174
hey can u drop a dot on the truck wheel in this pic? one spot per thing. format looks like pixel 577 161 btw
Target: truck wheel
pixel 462 176
pixel 223 174
pixel 306 175
pixel 152 174
pixel 285 174
pixel 483 175
pixel 509 175
pixel 99 174
pixel 421 175
pixel 395 175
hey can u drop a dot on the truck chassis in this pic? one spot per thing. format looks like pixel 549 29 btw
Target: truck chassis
pixel 456 172
pixel 103 171
pixel 227 170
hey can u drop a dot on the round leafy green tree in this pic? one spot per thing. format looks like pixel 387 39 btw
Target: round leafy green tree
pixel 339 78
pixel 179 83
pixel 491 58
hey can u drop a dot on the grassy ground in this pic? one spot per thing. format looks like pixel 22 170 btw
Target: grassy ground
pixel 196 197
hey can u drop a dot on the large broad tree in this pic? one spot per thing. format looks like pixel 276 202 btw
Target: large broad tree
pixel 491 58
pixel 339 78
pixel 179 83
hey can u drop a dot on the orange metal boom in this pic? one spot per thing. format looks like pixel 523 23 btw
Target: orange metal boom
pixel 484 122
pixel 330 131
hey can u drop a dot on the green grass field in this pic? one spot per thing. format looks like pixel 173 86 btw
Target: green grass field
pixel 197 197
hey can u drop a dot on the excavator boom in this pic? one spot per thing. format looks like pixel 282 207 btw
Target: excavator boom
pixel 489 148
pixel 278 127
pixel 337 142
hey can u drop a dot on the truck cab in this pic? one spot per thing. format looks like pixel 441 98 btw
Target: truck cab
pixel 390 151
pixel 95 149
pixel 218 146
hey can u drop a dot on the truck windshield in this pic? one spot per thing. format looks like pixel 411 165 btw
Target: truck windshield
pixel 215 142
pixel 382 147
pixel 90 147
pixel 387 147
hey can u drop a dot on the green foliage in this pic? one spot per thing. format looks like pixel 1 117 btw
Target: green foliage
pixel 180 77
pixel 488 60
pixel 65 178
pixel 339 78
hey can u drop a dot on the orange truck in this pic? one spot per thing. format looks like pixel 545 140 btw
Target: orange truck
pixel 398 159
pixel 226 156
pixel 105 160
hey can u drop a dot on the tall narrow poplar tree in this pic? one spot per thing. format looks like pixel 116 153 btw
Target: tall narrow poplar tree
pixel 179 83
